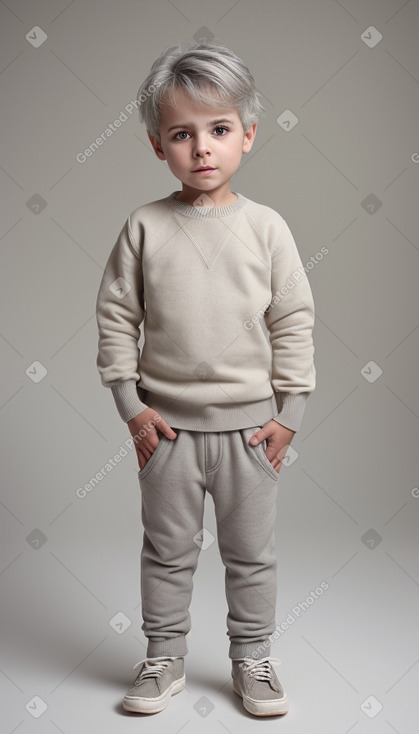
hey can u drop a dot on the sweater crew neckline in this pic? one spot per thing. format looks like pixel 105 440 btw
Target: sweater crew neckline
pixel 198 212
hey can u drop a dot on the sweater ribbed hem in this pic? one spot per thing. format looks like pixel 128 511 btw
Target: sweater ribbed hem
pixel 285 408
pixel 219 417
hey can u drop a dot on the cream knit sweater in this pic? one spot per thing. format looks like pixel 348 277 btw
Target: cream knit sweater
pixel 226 311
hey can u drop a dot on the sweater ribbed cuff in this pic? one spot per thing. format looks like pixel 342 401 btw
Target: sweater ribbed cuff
pixel 128 398
pixel 291 408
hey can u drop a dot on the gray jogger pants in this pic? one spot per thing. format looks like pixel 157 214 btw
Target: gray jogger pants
pixel 243 485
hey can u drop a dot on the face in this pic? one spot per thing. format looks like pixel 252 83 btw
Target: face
pixel 192 137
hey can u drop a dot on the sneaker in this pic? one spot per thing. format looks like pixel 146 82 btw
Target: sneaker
pixel 255 681
pixel 158 680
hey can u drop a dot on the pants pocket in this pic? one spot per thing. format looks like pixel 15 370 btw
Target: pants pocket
pixel 155 457
pixel 258 452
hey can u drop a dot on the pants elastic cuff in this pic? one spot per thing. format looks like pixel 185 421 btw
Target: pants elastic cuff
pixel 255 650
pixel 170 647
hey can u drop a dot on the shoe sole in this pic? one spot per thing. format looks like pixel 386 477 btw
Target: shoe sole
pixel 153 705
pixel 262 708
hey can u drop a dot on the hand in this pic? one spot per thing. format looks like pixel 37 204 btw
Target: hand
pixel 143 429
pixel 278 438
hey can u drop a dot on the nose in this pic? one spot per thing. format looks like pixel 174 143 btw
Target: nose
pixel 201 145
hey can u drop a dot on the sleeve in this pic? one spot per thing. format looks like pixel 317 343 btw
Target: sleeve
pixel 290 321
pixel 119 314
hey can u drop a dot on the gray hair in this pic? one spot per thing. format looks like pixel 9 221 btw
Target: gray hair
pixel 210 73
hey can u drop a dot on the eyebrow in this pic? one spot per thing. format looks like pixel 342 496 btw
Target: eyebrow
pixel 210 124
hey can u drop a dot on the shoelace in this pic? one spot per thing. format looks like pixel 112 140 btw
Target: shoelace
pixel 153 667
pixel 259 669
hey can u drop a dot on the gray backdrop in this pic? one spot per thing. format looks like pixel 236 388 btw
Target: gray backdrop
pixel 338 156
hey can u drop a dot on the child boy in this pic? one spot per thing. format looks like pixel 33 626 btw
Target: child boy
pixel 213 400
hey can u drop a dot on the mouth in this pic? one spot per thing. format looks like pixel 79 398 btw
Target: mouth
pixel 203 168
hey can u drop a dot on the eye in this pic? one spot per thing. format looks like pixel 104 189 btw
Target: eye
pixel 181 132
pixel 220 131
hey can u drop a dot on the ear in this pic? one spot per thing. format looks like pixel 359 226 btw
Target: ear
pixel 249 137
pixel 156 146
